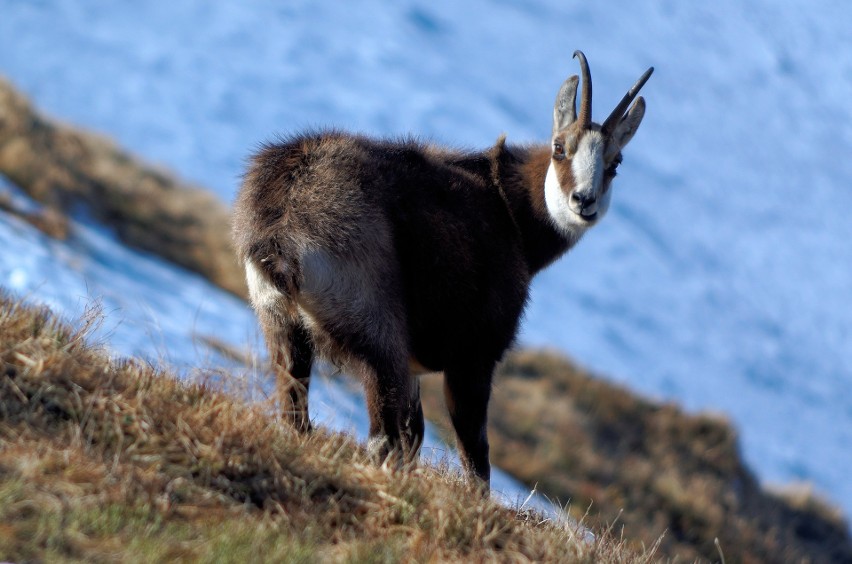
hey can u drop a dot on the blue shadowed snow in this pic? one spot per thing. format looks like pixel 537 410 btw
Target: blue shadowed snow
pixel 721 278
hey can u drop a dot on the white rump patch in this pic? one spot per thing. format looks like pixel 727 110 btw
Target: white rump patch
pixel 262 292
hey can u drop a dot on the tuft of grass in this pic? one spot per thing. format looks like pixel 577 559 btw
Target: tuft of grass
pixel 650 468
pixel 104 460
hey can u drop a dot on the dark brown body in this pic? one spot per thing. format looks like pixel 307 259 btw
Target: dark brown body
pixel 385 255
pixel 451 238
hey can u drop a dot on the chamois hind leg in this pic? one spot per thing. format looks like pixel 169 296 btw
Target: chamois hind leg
pixel 355 300
pixel 393 404
pixel 377 341
pixel 291 356
pixel 467 389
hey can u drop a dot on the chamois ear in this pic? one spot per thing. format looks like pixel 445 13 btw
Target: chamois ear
pixel 627 126
pixel 565 108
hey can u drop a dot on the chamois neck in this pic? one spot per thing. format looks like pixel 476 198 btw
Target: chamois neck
pixel 520 173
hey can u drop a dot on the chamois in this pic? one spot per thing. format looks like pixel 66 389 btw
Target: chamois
pixel 395 257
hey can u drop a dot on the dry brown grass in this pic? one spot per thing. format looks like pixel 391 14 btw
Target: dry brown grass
pixel 651 466
pixel 103 460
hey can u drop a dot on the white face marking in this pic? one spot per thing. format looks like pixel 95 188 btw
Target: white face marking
pixel 587 163
pixel 587 167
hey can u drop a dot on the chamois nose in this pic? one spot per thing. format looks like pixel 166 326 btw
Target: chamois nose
pixel 583 201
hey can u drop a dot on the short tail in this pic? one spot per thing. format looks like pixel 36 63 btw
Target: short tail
pixel 273 283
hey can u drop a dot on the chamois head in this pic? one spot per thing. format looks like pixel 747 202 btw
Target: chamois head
pixel 585 155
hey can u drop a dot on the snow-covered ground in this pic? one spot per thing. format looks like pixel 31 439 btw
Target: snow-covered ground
pixel 721 278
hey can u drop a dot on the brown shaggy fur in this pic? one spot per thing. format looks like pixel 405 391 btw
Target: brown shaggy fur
pixel 387 254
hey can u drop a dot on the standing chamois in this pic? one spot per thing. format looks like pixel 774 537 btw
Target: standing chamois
pixel 396 257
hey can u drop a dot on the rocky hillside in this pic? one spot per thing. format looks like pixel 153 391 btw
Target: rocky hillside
pixel 650 468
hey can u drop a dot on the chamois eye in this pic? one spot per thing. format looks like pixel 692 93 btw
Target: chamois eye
pixel 558 150
pixel 611 170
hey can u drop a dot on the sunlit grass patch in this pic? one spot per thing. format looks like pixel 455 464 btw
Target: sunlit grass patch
pixel 106 460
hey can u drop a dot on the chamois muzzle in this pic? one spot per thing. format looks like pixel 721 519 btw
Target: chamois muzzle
pixel 612 121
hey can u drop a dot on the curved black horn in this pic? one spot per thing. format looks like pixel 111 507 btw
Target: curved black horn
pixel 585 117
pixel 613 119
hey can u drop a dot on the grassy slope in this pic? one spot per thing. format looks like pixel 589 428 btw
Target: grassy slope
pixel 103 460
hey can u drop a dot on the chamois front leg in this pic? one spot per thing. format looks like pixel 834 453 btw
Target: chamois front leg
pixel 291 356
pixel 467 390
